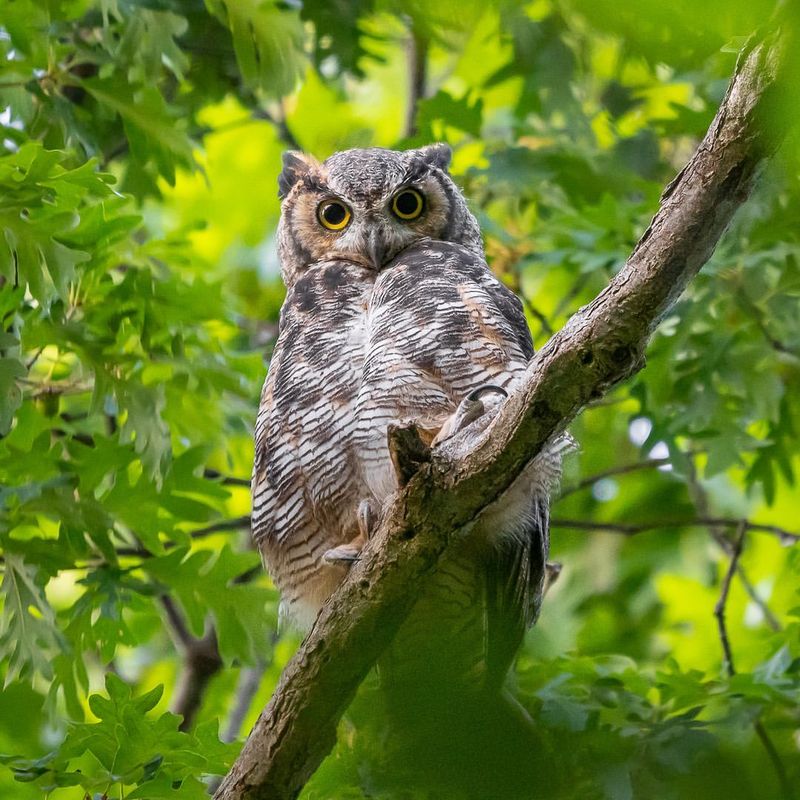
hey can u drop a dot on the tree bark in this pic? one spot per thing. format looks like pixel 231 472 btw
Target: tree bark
pixel 602 344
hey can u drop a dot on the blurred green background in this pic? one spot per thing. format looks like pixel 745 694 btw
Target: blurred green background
pixel 140 143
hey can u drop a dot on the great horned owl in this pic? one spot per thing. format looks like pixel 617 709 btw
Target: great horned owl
pixel 392 315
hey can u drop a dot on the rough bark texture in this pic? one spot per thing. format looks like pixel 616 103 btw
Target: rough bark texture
pixel 601 345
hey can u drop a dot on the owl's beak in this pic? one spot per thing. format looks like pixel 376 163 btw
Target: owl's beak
pixel 376 249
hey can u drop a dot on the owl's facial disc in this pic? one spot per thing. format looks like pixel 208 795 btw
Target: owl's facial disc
pixel 366 206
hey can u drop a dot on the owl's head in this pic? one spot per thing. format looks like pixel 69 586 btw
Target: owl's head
pixel 365 206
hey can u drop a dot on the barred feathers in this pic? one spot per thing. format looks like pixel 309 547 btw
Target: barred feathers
pixel 362 346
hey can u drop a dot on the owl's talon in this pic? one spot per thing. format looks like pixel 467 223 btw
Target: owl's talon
pixel 469 409
pixel 475 394
pixel 344 555
pixel 367 519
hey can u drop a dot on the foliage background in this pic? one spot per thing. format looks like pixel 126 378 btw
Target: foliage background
pixel 140 145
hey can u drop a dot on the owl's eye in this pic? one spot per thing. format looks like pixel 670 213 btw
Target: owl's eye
pixel 408 204
pixel 333 215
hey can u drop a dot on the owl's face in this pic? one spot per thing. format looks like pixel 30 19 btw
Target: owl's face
pixel 365 206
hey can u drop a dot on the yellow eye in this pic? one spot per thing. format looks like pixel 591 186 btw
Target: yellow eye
pixel 408 204
pixel 333 215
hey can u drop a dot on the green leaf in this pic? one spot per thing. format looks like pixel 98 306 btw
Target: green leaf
pixel 268 41
pixel 10 392
pixel 28 633
pixel 452 112
pixel 154 132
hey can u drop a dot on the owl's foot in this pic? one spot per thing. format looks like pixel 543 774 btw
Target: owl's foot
pixel 469 409
pixel 346 554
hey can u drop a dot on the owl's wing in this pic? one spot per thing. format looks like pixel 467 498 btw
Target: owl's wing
pixel 515 573
pixel 441 325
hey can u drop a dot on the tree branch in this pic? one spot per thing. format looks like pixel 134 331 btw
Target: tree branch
pixel 600 345
pixel 417 47
pixel 785 537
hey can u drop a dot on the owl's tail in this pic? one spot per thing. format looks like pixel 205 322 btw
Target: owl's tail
pixel 452 722
pixel 443 678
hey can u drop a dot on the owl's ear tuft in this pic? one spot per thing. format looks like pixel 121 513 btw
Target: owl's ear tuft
pixel 295 166
pixel 436 155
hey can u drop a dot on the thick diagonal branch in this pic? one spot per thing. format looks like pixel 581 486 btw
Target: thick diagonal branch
pixel 601 345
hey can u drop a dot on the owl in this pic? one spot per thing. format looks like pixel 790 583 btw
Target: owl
pixel 392 317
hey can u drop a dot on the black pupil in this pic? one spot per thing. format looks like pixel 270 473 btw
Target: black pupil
pixel 407 203
pixel 334 213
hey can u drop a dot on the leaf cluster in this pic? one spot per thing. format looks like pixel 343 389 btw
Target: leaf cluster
pixel 140 142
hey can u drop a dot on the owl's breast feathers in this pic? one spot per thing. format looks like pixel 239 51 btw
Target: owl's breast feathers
pixel 304 486
pixel 358 350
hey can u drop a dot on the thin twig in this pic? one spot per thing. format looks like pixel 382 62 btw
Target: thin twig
pixel 624 469
pixel 282 128
pixel 719 608
pixel 766 611
pixel 538 315
pixel 34 358
pixel 515 284
pixel 785 537
pixel 64 388
pixel 699 497
pixel 728 664
pixel 569 297
pixel 246 690
pixel 201 661
pixel 177 623
pixel 225 480
pixel 757 315
pixel 775 758
pixel 235 524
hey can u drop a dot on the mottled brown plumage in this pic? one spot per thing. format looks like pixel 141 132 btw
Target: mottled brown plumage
pixel 391 320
